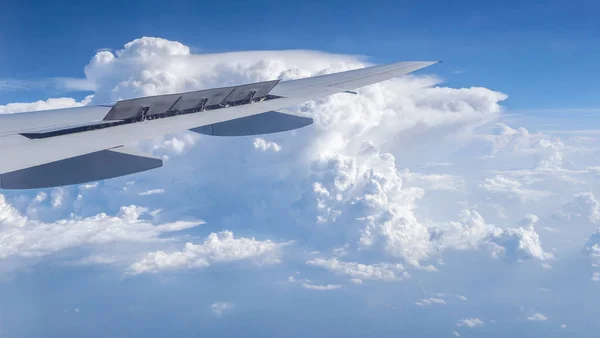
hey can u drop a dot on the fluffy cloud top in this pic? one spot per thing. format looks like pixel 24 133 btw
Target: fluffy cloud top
pixel 351 172
pixel 510 244
pixel 217 248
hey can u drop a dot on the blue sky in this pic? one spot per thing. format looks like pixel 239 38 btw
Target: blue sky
pixel 543 52
pixel 461 201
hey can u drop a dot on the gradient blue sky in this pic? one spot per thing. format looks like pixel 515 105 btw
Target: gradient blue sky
pixel 543 52
pixel 455 174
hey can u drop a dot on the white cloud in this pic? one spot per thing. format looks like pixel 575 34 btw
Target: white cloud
pixel 321 287
pixel 470 322
pixel 381 174
pixel 264 145
pixel 174 144
pixel 152 192
pixel 381 271
pixel 58 195
pixel 518 244
pixel 40 197
pixel 367 173
pixel 23 237
pixel 309 285
pixel 509 244
pixel 217 248
pixel 53 103
pixel 511 187
pixel 583 204
pixel 456 334
pixel 88 186
pixel 430 301
pixel 538 317
pixel 513 144
pixel 563 326
pixel 592 247
pixel 461 297
pixel 353 173
pixel 596 277
pixel 219 308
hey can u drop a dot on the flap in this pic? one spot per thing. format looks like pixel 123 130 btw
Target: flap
pixel 81 169
pixel 265 123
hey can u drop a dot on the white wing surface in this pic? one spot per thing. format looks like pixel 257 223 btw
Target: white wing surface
pixel 38 148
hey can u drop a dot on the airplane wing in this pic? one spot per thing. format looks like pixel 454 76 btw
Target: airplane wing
pixel 61 153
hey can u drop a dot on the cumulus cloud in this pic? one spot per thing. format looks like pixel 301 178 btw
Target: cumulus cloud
pixel 510 145
pixel 217 248
pixel 370 190
pixel 354 177
pixel 509 244
pixel 27 238
pixel 173 144
pixel 353 174
pixel 592 248
pixel 537 317
pixel 381 174
pixel 262 144
pixel 58 195
pixel 354 170
pixel 583 204
pixel 470 322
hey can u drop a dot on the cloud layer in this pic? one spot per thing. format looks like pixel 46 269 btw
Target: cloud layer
pixel 408 183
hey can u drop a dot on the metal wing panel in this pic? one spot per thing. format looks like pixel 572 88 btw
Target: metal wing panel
pixel 343 81
pixel 250 91
pixel 182 102
pixel 127 109
pixel 192 100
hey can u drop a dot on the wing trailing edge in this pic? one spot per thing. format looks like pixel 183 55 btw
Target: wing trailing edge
pixel 80 169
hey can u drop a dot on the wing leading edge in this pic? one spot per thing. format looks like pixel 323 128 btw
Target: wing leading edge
pixel 37 158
